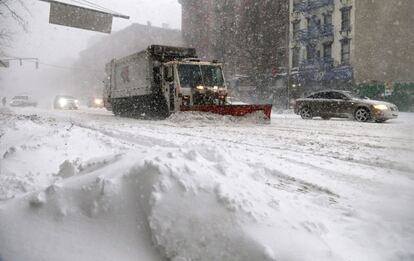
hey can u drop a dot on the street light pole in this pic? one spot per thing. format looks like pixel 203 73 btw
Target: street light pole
pixel 288 60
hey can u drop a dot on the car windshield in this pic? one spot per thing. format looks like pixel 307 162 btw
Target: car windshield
pixel 193 75
pixel 355 95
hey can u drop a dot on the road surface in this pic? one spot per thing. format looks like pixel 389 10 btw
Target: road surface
pixel 348 185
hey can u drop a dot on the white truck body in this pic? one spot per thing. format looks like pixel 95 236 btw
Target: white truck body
pixel 130 76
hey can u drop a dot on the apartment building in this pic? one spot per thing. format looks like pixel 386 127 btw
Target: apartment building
pixel 337 43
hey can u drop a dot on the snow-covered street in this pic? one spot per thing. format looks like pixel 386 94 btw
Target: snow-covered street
pixel 86 185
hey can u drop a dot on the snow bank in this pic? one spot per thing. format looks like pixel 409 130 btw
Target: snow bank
pixel 196 203
pixel 176 200
pixel 211 118
pixel 36 151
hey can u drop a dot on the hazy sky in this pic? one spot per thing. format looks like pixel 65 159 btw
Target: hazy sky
pixel 53 42
pixel 59 45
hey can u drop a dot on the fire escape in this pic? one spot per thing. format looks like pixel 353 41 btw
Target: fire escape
pixel 317 67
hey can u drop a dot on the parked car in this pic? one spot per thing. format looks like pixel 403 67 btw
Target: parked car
pixel 344 104
pixel 22 101
pixel 95 102
pixel 65 102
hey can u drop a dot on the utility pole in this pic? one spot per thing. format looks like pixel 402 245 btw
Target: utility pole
pixel 288 60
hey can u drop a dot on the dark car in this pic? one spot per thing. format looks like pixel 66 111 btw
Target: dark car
pixel 22 101
pixel 344 104
pixel 65 102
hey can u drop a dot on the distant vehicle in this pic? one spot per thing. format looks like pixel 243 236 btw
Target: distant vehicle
pixel 22 101
pixel 344 104
pixel 65 102
pixel 95 102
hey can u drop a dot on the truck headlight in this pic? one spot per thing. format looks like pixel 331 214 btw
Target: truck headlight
pixel 62 102
pixel 200 87
pixel 381 107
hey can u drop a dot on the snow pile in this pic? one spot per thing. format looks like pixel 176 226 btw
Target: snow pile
pixel 36 151
pixel 196 203
pixel 211 118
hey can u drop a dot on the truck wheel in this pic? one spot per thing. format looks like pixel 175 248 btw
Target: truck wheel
pixel 306 113
pixel 115 110
pixel 362 115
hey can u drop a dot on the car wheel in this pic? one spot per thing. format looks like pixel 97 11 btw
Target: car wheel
pixel 306 113
pixel 362 115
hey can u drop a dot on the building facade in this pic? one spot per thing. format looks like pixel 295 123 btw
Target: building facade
pixel 338 43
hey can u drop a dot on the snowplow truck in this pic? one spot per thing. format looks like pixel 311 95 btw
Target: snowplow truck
pixel 161 80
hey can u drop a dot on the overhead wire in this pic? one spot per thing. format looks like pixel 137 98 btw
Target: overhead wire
pixel 89 6
pixel 95 6
pixel 68 67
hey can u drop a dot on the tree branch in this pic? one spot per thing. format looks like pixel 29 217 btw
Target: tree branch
pixel 18 18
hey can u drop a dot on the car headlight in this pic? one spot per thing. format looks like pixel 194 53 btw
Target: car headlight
pixel 200 87
pixel 62 102
pixel 381 107
pixel 98 101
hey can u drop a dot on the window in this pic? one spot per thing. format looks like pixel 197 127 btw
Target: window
pixel 295 57
pixel 327 19
pixel 193 75
pixel 335 96
pixel 346 19
pixel 313 22
pixel 310 51
pixel 327 51
pixel 295 28
pixel 345 51
pixel 319 95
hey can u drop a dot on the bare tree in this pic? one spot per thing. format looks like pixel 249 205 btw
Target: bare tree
pixel 9 12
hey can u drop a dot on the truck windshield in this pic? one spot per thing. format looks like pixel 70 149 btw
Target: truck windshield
pixel 193 75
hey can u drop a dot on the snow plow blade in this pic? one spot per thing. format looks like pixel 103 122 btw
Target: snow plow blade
pixel 233 110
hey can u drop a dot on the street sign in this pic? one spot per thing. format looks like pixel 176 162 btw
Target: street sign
pixel 4 64
pixel 80 17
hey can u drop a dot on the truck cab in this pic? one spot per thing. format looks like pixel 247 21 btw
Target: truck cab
pixel 193 82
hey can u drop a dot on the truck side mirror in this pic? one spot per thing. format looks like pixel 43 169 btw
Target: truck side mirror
pixel 168 74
